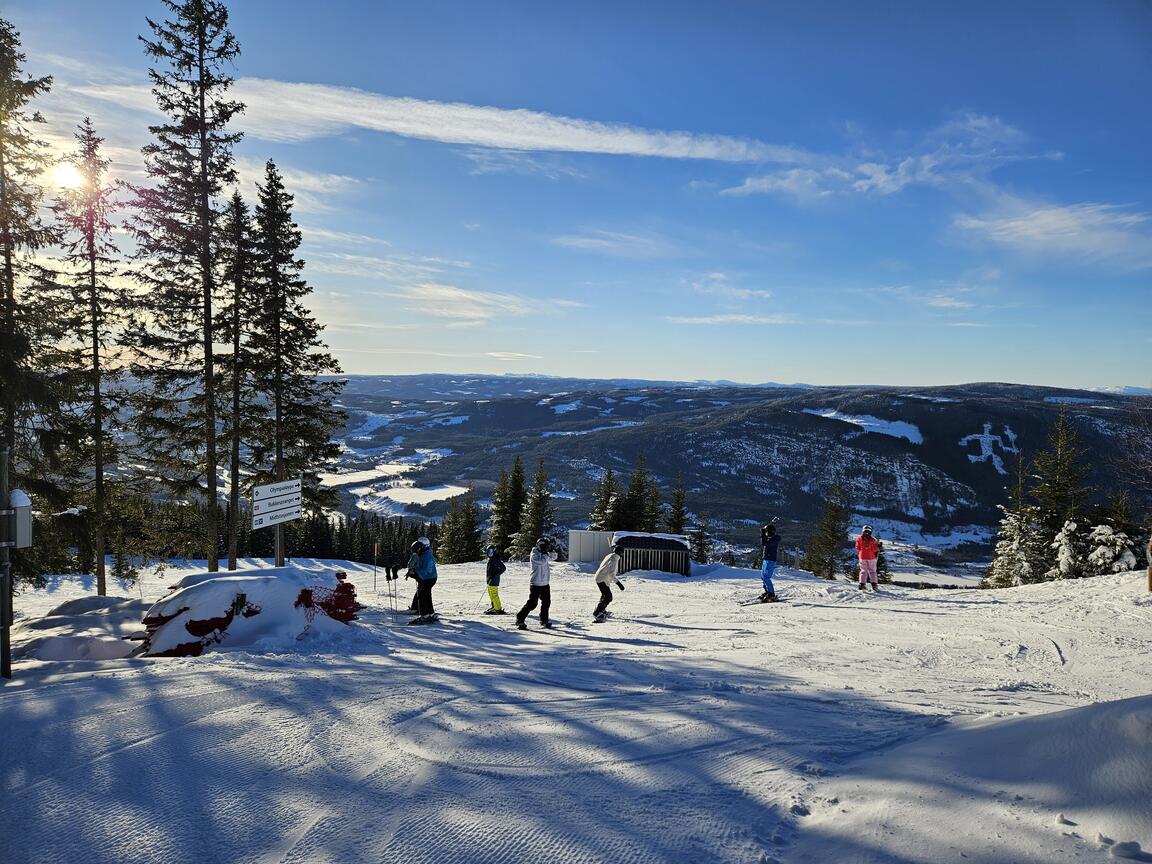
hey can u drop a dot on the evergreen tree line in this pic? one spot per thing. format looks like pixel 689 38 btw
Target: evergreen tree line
pixel 130 376
pixel 145 532
pixel 522 513
pixel 1051 529
pixel 638 506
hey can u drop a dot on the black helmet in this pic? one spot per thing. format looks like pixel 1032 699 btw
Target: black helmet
pixel 417 546
pixel 769 529
pixel 542 543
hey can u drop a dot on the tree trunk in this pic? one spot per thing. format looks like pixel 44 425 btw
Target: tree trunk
pixel 97 406
pixel 207 285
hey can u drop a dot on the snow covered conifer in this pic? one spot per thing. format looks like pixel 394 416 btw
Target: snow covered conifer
pixel 460 532
pixel 498 521
pixel 600 517
pixel 1060 477
pixel 1020 551
pixel 538 518
pixel 1111 551
pixel 517 496
pixel 189 163
pixel 825 552
pixel 700 541
pixel 1069 551
pixel 677 516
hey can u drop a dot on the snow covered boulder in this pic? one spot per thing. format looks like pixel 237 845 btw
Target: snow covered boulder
pixel 261 608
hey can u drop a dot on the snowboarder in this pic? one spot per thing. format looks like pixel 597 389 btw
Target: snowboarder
pixel 868 548
pixel 607 572
pixel 425 573
pixel 539 591
pixel 495 568
pixel 770 545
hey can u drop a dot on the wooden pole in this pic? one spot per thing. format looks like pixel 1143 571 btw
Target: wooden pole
pixel 1149 551
pixel 5 570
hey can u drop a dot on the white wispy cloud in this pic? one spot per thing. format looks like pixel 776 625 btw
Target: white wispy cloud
pixel 622 243
pixel 519 162
pixel 802 184
pixel 960 151
pixel 731 319
pixel 286 111
pixel 718 285
pixel 463 307
pixel 390 268
pixel 1111 235
pixel 313 191
pixel 513 355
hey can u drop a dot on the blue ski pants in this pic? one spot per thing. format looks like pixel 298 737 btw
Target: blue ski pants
pixel 766 571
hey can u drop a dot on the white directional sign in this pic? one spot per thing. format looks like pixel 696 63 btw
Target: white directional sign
pixel 275 503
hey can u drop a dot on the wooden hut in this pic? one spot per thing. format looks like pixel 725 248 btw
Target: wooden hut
pixel 665 552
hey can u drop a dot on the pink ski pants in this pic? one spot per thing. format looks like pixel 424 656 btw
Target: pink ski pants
pixel 868 570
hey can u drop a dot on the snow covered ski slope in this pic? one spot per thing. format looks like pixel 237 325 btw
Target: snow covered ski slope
pixel 842 726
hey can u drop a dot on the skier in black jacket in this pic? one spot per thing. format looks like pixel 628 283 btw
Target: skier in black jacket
pixel 495 568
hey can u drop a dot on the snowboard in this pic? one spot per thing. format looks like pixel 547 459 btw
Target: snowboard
pixel 431 619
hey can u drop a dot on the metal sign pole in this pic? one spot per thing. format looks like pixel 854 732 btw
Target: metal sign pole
pixel 6 541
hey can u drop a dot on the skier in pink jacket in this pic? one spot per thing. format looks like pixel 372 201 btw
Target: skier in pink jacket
pixel 868 548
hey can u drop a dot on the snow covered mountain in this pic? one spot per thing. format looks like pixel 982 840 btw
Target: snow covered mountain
pixel 933 459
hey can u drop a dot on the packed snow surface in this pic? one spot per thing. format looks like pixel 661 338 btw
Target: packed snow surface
pixel 868 423
pixel 839 726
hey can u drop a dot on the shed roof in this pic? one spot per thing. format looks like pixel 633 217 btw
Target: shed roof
pixel 643 540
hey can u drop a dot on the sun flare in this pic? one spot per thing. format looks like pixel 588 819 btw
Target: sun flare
pixel 68 176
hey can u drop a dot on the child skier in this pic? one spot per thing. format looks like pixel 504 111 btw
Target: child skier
pixel 770 545
pixel 539 591
pixel 607 572
pixel 495 568
pixel 868 548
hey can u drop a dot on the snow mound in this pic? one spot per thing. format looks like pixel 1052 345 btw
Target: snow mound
pixel 86 628
pixel 1087 769
pixel 268 608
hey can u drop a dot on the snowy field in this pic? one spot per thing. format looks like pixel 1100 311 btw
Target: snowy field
pixel 839 726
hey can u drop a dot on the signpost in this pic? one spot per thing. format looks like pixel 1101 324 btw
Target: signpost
pixel 275 504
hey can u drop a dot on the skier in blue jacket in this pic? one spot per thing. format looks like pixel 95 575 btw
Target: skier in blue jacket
pixel 423 565
pixel 770 545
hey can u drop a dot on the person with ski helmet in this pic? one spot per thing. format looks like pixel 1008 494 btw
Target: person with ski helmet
pixel 770 547
pixel 607 572
pixel 539 590
pixel 423 565
pixel 492 577
pixel 868 549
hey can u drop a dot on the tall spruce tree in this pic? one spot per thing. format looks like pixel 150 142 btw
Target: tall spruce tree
pixel 189 163
pixel 237 253
pixel 460 537
pixel 1060 474
pixel 538 518
pixel 1021 550
pixel 517 496
pixel 677 516
pixel 631 511
pixel 92 310
pixel 30 397
pixel 700 540
pixel 498 516
pixel 825 552
pixel 600 517
pixel 286 354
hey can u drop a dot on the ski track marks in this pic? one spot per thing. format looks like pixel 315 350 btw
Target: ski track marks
pixel 691 731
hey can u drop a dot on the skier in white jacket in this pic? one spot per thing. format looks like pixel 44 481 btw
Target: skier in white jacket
pixel 539 591
pixel 607 573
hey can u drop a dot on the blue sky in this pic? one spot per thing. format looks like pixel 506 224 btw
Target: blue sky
pixel 905 193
